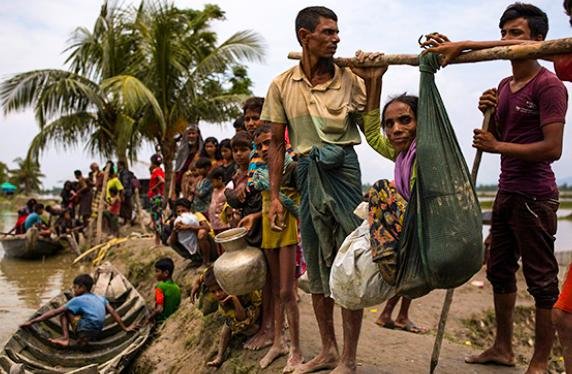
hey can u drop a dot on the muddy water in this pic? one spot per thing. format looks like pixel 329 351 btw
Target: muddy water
pixel 26 285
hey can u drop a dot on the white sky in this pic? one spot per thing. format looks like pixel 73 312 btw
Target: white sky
pixel 33 34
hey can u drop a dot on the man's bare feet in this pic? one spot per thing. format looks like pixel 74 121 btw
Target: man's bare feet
pixel 323 361
pixel 491 356
pixel 409 326
pixel 294 360
pixel 342 368
pixel 272 354
pixel 385 321
pixel 263 338
pixel 61 342
pixel 217 362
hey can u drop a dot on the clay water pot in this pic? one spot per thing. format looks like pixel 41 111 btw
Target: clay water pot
pixel 241 269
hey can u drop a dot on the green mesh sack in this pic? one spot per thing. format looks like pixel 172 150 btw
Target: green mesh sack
pixel 441 243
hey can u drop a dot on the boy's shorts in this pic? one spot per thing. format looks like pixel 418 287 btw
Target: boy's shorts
pixel 88 335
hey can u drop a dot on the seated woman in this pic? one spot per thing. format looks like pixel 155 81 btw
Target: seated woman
pixel 388 199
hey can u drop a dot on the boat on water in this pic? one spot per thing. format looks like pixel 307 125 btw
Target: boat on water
pixel 30 245
pixel 30 351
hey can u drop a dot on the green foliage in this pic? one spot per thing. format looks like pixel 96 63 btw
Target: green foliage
pixel 27 176
pixel 140 73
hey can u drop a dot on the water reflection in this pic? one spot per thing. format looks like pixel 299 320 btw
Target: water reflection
pixel 36 281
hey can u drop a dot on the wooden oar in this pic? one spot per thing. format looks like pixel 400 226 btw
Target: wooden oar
pixel 449 294
pixel 513 52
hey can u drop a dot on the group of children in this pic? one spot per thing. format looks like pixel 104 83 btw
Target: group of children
pixel 227 185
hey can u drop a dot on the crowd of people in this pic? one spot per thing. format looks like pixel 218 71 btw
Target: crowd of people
pixel 78 207
pixel 290 177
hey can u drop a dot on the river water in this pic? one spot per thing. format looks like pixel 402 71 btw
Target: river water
pixel 26 285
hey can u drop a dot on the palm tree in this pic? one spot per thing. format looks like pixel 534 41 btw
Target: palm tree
pixel 80 106
pixel 192 78
pixel 27 175
pixel 141 73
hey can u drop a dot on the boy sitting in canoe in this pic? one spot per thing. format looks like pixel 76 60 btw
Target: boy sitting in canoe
pixel 167 292
pixel 85 312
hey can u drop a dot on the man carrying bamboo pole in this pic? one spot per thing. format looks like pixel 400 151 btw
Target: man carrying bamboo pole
pixel 530 109
pixel 320 102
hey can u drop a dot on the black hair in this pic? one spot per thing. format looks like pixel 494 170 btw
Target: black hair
pixel 241 139
pixel 209 279
pixel 165 264
pixel 225 143
pixel 156 159
pixel 265 128
pixel 183 202
pixel 213 140
pixel 84 280
pixel 238 124
pixel 203 162
pixel 308 18
pixel 217 173
pixel 77 173
pixel 568 9
pixel 536 18
pixel 254 103
pixel 410 100
pixel 38 207
pixel 31 203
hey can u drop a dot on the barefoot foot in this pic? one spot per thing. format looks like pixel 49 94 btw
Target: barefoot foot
pixel 323 361
pixel 217 362
pixel 491 356
pixel 294 360
pixel 61 342
pixel 343 368
pixel 262 339
pixel 272 354
pixel 385 321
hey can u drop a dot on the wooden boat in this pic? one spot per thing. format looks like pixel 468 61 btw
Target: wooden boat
pixel 30 351
pixel 30 245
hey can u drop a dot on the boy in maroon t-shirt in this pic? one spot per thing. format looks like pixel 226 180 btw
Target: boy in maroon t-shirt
pixel 530 109
pixel 541 84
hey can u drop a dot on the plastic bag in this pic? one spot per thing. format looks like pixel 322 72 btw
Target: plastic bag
pixel 355 281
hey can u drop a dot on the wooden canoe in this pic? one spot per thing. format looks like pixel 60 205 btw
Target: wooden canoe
pixel 30 246
pixel 30 351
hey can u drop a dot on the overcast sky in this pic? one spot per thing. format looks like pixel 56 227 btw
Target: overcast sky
pixel 33 35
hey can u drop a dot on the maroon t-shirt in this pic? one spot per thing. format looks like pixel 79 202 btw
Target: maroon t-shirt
pixel 520 117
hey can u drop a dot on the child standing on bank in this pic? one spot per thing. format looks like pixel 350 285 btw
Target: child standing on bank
pixel 240 313
pixel 228 164
pixel 218 200
pixel 155 194
pixel 167 292
pixel 203 189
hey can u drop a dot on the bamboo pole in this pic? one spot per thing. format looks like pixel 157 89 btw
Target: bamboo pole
pixel 514 52
pixel 449 294
pixel 102 197
pixel 140 211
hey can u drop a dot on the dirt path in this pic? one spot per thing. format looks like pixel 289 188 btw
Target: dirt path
pixel 187 339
